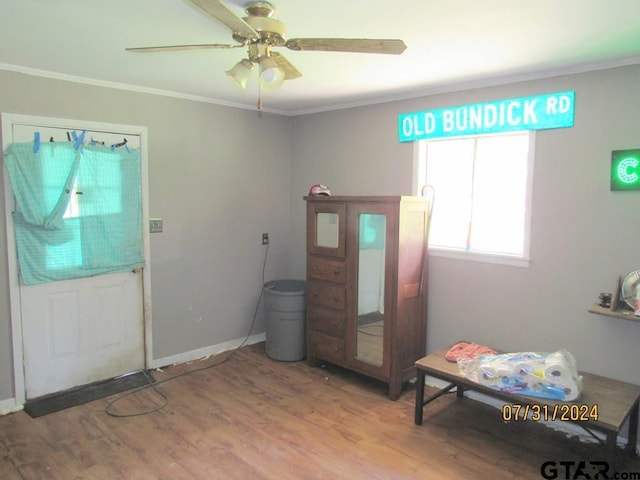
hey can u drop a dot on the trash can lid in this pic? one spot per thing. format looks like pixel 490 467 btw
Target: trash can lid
pixel 286 286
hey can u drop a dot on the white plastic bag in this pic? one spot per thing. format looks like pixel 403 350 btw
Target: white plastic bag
pixel 545 375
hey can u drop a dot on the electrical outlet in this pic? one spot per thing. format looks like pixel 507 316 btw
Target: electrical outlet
pixel 265 239
pixel 155 225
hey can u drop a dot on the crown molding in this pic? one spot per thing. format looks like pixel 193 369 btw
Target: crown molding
pixel 409 95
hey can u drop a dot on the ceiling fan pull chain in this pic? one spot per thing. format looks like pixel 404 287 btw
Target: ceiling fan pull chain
pixel 259 98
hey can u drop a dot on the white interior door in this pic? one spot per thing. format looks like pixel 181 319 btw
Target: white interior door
pixel 79 331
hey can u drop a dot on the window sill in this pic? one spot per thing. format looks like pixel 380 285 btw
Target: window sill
pixel 509 260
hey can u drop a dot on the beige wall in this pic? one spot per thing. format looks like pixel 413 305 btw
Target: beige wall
pixel 221 176
pixel 583 236
pixel 218 177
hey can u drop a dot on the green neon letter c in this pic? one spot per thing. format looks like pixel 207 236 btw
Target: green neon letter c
pixel 624 166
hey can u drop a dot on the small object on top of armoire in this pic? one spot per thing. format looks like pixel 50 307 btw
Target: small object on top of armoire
pixel 367 284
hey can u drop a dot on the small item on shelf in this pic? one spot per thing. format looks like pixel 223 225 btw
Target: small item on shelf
pixel 636 307
pixel 628 288
pixel 615 298
pixel 621 305
pixel 605 300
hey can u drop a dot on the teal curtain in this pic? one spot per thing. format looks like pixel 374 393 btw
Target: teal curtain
pixel 78 210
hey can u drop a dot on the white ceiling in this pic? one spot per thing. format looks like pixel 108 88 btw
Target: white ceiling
pixel 450 44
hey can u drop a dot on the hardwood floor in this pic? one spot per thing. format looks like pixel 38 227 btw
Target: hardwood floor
pixel 256 418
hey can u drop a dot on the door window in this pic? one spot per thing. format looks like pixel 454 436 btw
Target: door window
pixel 78 209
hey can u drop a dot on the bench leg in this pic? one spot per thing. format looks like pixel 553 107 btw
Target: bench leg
pixel 610 450
pixel 419 396
pixel 421 401
pixel 633 430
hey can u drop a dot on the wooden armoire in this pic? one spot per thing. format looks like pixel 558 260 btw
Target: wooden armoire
pixel 367 284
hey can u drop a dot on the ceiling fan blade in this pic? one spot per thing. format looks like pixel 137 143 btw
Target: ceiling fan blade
pixel 175 48
pixel 356 45
pixel 220 12
pixel 290 72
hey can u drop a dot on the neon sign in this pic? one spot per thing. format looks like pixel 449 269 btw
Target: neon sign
pixel 625 169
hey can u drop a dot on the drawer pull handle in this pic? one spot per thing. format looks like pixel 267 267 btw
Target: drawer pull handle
pixel 315 269
pixel 336 271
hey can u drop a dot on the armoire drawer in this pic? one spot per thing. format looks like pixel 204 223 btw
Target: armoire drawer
pixel 325 347
pixel 328 270
pixel 331 322
pixel 326 295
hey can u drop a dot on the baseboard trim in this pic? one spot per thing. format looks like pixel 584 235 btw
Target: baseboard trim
pixel 206 351
pixel 8 406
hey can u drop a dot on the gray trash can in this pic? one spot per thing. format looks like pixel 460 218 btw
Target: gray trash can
pixel 284 302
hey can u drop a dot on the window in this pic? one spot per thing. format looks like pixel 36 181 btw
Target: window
pixel 482 190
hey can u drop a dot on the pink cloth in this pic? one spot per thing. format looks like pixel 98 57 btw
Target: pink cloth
pixel 468 350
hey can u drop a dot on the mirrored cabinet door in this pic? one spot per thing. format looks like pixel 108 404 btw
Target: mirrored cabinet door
pixel 326 227
pixel 370 253
pixel 327 230
pixel 372 232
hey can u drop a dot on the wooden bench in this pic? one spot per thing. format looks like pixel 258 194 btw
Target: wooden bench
pixel 614 401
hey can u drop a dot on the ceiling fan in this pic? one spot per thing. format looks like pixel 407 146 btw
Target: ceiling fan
pixel 260 32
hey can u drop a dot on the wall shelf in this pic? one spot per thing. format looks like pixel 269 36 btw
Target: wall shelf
pixel 619 313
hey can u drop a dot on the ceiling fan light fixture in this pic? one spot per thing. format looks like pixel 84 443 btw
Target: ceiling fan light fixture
pixel 271 75
pixel 241 72
pixel 260 31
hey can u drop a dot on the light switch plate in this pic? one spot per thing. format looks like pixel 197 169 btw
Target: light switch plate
pixel 155 225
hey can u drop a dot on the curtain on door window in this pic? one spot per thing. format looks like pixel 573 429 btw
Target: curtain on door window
pixel 78 210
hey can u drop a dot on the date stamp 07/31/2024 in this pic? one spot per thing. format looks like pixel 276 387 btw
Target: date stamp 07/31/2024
pixel 572 412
